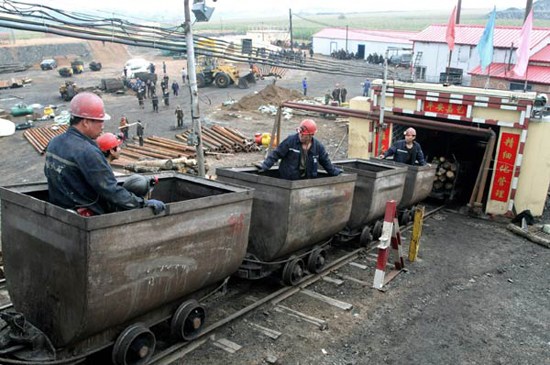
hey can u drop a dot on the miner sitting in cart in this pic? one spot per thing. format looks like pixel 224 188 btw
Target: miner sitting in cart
pixel 406 150
pixel 300 155
pixel 79 177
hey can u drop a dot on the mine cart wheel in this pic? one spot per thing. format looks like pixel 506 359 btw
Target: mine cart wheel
pixel 134 346
pixel 316 260
pixel 293 271
pixel 366 236
pixel 377 230
pixel 188 320
pixel 404 217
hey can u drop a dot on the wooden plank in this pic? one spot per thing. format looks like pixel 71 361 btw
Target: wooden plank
pixel 266 331
pixel 328 300
pixel 361 266
pixel 227 345
pixel 337 282
pixel 350 278
pixel 322 324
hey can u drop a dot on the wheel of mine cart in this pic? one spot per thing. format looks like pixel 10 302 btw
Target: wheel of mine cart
pixel 134 346
pixel 293 271
pixel 222 80
pixel 188 320
pixel 316 260
pixel 377 230
pixel 366 236
pixel 404 217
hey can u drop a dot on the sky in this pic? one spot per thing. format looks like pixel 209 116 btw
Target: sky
pixel 271 8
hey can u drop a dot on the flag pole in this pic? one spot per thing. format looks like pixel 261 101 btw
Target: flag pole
pixel 487 82
pixel 525 82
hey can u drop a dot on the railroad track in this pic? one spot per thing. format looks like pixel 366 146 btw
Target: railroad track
pixel 178 350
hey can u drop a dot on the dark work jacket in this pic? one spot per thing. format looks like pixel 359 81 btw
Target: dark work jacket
pixel 79 176
pixel 289 152
pixel 400 153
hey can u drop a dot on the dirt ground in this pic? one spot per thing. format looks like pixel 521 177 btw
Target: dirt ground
pixel 478 294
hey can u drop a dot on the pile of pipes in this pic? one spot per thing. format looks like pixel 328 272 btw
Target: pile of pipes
pixel 40 137
pixel 219 140
pixel 156 154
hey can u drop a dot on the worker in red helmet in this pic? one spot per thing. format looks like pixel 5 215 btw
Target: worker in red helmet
pixel 79 176
pixel 300 155
pixel 109 144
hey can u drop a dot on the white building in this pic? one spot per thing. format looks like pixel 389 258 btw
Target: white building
pixel 361 42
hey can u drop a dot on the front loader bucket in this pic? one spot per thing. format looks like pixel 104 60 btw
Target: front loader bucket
pixel 243 84
pixel 250 77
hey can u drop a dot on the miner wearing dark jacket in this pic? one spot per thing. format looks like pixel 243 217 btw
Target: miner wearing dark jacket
pixel 300 155
pixel 406 150
pixel 79 177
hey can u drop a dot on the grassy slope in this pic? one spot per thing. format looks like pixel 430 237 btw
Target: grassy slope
pixel 306 25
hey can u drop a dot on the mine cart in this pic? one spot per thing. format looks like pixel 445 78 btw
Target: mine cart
pixel 292 221
pixel 91 282
pixel 376 185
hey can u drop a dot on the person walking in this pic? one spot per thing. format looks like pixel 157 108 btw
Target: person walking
pixel 304 85
pixel 155 101
pixel 406 150
pixel 179 117
pixel 366 87
pixel 300 155
pixel 164 67
pixel 78 174
pixel 124 128
pixel 175 88
pixel 139 132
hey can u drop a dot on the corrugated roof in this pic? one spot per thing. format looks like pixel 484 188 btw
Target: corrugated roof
pixel 470 35
pixel 388 36
pixel 541 56
pixel 535 74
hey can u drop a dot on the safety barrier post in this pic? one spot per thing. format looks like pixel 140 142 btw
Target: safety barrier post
pixel 414 246
pixel 391 237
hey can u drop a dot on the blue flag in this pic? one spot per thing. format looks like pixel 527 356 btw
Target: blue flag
pixel 485 45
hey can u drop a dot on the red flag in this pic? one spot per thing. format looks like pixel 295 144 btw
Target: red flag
pixel 450 35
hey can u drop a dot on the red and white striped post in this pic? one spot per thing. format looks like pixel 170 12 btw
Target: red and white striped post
pixel 391 236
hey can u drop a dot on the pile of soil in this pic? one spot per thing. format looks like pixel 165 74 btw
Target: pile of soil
pixel 271 94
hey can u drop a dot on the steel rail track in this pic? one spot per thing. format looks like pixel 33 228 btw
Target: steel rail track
pixel 176 351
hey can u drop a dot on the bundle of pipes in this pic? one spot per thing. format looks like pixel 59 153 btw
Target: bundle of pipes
pixel 222 140
pixel 40 137
pixel 157 147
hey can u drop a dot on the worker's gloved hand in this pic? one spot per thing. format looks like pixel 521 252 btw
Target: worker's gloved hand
pixel 260 167
pixel 157 205
pixel 381 156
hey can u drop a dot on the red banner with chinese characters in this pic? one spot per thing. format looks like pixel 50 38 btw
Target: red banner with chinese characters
pixel 504 167
pixel 385 140
pixel 445 108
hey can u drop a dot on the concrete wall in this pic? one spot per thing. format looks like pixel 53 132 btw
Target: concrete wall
pixel 34 54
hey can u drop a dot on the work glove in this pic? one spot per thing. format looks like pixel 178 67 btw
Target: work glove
pixel 157 205
pixel 260 167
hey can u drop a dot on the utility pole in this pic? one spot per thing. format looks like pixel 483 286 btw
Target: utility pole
pixel 192 74
pixel 291 38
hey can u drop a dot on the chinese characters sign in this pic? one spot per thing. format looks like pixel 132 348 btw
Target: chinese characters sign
pixel 504 168
pixel 445 108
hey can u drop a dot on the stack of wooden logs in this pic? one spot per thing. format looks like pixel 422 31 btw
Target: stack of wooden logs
pixel 222 140
pixel 445 174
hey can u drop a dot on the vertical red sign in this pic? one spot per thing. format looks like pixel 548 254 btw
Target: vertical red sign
pixel 504 167
pixel 385 140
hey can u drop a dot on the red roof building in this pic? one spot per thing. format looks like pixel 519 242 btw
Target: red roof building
pixel 434 57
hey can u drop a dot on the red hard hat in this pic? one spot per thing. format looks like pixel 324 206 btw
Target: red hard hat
pixel 88 105
pixel 308 126
pixel 108 141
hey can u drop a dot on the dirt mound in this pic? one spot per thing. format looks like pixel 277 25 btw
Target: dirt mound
pixel 109 53
pixel 271 94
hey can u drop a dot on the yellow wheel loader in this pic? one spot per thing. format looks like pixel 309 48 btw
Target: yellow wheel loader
pixel 213 71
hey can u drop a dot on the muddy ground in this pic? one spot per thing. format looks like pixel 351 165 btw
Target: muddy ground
pixel 477 294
